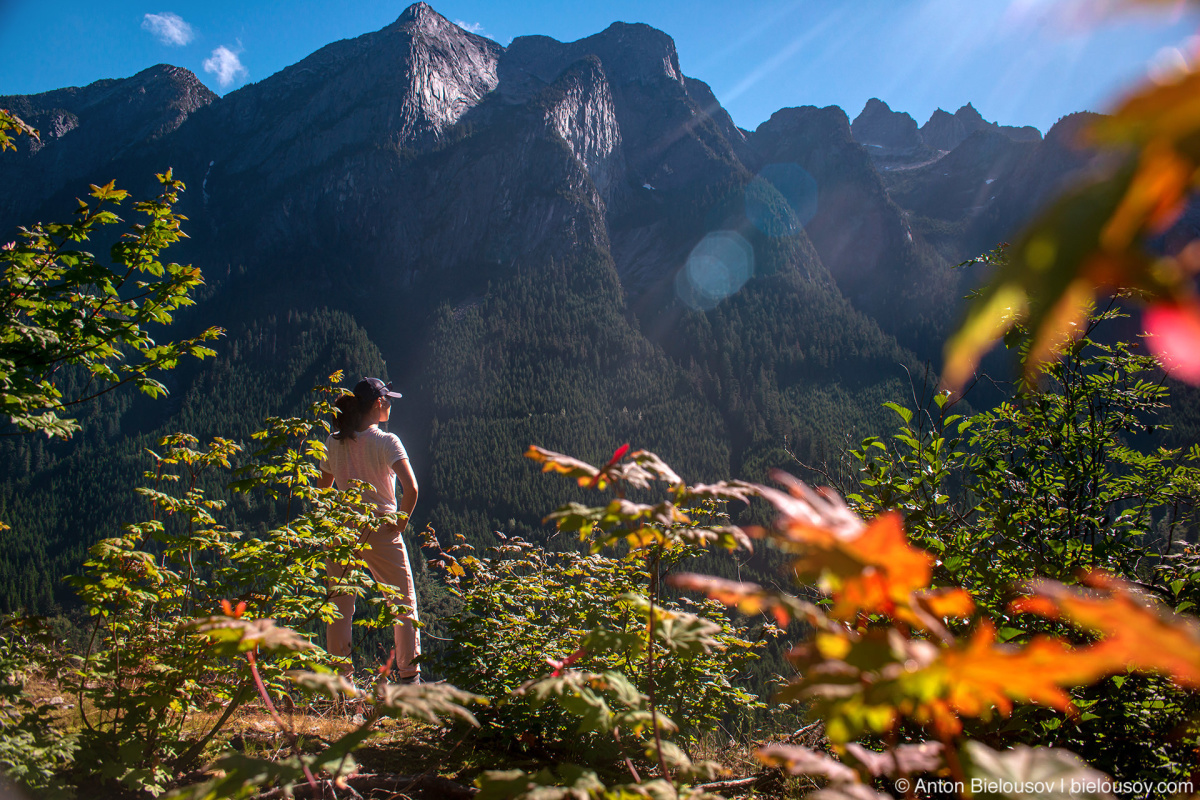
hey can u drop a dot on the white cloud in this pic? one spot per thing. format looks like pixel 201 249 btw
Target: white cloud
pixel 168 28
pixel 225 64
pixel 477 29
pixel 472 27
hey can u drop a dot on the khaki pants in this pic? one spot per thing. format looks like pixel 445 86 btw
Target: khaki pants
pixel 388 562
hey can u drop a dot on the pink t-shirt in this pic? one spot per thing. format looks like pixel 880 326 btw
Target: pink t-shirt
pixel 367 457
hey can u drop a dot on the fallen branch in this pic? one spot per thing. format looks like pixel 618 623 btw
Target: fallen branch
pixel 791 737
pixel 734 783
pixel 431 785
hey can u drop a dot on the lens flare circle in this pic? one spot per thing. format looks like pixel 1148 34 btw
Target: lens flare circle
pixel 798 190
pixel 717 267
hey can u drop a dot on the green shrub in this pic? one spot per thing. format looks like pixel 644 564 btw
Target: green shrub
pixel 1057 482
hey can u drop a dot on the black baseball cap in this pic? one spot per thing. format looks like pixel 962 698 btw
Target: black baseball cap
pixel 368 390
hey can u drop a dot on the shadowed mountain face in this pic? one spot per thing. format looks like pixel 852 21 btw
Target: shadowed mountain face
pixel 879 126
pixel 564 243
pixel 963 181
pixel 862 236
pixel 944 131
pixel 83 130
pixel 894 142
pixel 404 158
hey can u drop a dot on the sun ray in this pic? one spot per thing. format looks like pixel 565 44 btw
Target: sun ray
pixel 773 63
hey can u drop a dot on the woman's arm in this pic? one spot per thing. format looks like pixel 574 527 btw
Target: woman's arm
pixel 325 481
pixel 408 484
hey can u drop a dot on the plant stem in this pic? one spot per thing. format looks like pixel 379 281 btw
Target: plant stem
pixel 955 766
pixel 262 692
pixel 662 764
pixel 238 698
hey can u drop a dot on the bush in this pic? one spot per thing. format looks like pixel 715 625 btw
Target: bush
pixel 620 654
pixel 1058 482
pixel 143 675
pixel 524 608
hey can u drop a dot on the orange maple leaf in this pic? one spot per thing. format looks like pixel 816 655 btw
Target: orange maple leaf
pixel 1133 635
pixel 749 598
pixel 984 674
pixel 874 570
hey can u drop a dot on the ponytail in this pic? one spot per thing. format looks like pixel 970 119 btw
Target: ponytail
pixel 347 417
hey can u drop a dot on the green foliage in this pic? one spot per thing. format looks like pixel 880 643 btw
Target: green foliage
pixel 1104 234
pixel 151 664
pixel 33 752
pixel 523 606
pixel 11 125
pixel 1059 482
pixel 59 305
pixel 241 775
pixel 892 659
pixel 1049 482
pixel 142 675
pixel 62 497
pixel 622 654
pixel 549 352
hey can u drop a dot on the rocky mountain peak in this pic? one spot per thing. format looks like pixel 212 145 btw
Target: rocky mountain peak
pixel 879 126
pixel 579 106
pixel 943 131
pixel 404 85
pixel 630 53
pixel 637 52
pixel 421 17
pixel 84 128
pixel 971 119
pixel 831 121
pixel 876 106
pixel 1068 131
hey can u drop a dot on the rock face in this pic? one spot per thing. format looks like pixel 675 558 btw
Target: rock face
pixel 581 110
pixel 430 160
pixel 406 86
pixel 669 139
pixel 973 121
pixel 862 236
pixel 964 181
pixel 84 129
pixel 119 113
pixel 982 191
pixel 943 131
pixel 1045 168
pixel 877 125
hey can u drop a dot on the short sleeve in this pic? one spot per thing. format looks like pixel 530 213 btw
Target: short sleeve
pixel 395 449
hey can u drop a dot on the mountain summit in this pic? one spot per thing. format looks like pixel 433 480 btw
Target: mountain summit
pixel 878 125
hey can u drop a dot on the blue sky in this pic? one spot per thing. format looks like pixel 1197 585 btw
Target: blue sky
pixel 1019 61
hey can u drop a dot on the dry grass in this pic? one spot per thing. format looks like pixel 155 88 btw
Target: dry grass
pixel 735 753
pixel 395 746
pixel 405 747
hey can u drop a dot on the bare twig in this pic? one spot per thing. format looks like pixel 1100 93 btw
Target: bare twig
pixel 434 784
pixel 262 691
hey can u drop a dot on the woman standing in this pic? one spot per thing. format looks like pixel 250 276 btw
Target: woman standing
pixel 360 450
